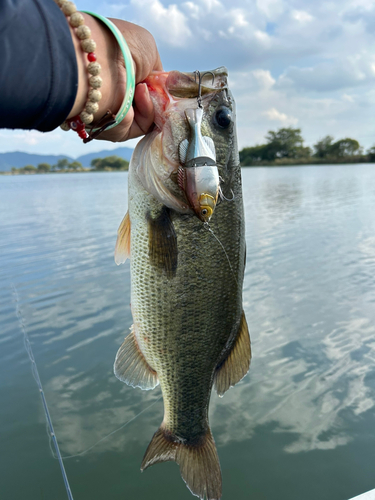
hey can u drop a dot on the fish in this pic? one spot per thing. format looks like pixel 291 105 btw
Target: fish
pixel 189 331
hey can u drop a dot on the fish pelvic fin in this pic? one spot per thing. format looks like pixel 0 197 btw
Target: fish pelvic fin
pixel 199 463
pixel 132 368
pixel 122 248
pixel 236 365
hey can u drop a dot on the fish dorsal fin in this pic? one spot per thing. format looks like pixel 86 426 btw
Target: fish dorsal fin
pixel 132 368
pixel 162 242
pixel 183 149
pixel 181 177
pixel 122 248
pixel 211 146
pixel 237 363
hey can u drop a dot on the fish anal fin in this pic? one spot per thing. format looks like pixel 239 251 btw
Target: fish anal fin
pixel 162 242
pixel 132 368
pixel 199 462
pixel 236 365
pixel 122 248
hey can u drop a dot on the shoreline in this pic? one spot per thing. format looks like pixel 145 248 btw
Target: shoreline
pixel 84 171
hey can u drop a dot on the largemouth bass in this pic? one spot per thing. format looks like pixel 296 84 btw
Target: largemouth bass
pixel 189 332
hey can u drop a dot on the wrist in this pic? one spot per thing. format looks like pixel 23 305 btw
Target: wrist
pixel 112 74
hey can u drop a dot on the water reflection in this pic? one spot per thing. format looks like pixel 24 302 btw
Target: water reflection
pixel 312 361
pixel 308 297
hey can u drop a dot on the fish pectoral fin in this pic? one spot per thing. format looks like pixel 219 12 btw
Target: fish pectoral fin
pixel 236 365
pixel 122 248
pixel 162 242
pixel 199 462
pixel 132 368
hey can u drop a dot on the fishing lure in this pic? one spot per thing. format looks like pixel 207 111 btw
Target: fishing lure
pixel 198 174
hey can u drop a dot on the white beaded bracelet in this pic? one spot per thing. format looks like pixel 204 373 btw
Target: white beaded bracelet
pixel 83 32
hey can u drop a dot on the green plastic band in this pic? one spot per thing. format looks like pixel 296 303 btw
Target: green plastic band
pixel 130 75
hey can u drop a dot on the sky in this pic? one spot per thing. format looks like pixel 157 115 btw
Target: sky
pixel 291 63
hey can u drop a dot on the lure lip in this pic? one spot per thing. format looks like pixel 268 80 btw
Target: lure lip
pixel 201 187
pixel 207 205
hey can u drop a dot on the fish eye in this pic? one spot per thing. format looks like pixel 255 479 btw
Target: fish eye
pixel 223 117
pixel 204 211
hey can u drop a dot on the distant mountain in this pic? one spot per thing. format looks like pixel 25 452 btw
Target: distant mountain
pixel 18 159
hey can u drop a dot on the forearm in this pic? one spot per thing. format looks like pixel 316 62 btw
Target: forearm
pixel 38 74
pixel 44 78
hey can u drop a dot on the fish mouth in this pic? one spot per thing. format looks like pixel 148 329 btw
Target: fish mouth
pixel 186 85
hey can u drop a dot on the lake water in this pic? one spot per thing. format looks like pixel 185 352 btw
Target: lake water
pixel 300 426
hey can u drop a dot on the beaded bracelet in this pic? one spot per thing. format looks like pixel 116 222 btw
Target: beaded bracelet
pixel 129 67
pixel 76 20
pixel 78 123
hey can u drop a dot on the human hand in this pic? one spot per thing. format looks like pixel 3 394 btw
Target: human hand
pixel 146 59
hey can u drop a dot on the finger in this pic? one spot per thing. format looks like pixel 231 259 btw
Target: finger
pixel 143 112
pixel 137 122
pixel 121 131
pixel 158 66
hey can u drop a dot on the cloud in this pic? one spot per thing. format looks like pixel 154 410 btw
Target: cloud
pixel 302 16
pixel 158 17
pixel 53 143
pixel 28 137
pixel 307 60
pixel 274 115
pixel 347 72
pixel 264 101
pixel 272 9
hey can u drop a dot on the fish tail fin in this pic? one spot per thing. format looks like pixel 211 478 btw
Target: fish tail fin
pixel 199 463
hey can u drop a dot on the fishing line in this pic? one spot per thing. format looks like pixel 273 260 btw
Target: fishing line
pixel 205 224
pixel 110 434
pixel 35 372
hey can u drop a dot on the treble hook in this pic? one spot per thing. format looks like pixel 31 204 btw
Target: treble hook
pixel 200 78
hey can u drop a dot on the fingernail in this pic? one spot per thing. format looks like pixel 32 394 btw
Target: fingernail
pixel 147 92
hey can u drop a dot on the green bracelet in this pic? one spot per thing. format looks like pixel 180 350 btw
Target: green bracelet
pixel 130 75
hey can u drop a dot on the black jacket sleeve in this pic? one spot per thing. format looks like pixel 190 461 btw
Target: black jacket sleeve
pixel 38 67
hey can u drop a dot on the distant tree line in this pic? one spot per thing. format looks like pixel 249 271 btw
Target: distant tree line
pixel 109 163
pixel 62 165
pixel 285 146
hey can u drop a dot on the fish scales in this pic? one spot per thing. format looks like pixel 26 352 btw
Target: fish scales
pixel 186 303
